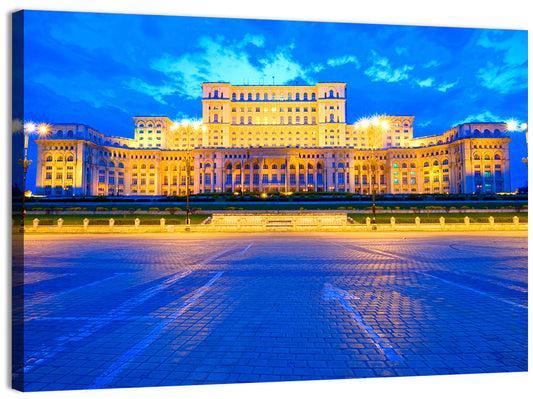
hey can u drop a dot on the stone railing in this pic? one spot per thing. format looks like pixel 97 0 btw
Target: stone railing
pixel 279 222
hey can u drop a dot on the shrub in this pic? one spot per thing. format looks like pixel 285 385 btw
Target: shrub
pixel 229 208
pixel 452 208
pixel 465 207
pixel 37 209
pixel 154 209
pixel 196 209
pixel 101 208
pixel 341 208
pixel 58 209
pixel 114 209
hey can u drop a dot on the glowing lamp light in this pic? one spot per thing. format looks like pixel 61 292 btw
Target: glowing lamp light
pixel 523 126
pixel 375 121
pixel 385 125
pixel 512 125
pixel 43 129
pixel 365 122
pixel 30 127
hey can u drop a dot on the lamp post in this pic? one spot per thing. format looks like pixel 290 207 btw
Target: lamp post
pixel 374 128
pixel 28 128
pixel 188 127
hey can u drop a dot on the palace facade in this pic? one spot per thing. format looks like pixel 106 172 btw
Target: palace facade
pixel 273 138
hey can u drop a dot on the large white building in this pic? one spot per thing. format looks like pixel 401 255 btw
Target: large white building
pixel 273 138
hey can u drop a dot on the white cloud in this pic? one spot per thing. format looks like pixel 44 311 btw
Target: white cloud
pixel 423 124
pixel 218 60
pixel 401 51
pixel 256 40
pixel 511 74
pixel 503 79
pixel 432 63
pixel 445 86
pixel 485 116
pixel 347 59
pixel 382 70
pixel 425 83
pixel 157 92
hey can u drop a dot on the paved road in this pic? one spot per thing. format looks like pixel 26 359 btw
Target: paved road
pixel 152 310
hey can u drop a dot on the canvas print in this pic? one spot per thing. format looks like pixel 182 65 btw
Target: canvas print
pixel 211 201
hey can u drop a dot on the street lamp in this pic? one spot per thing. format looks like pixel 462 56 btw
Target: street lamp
pixel 514 126
pixel 374 128
pixel 188 127
pixel 28 128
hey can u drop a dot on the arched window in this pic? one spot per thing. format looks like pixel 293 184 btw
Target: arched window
pixel 241 96
pixel 233 96
pixel 111 164
pixel 435 163
pixel 426 164
pixel 70 134
pixel 331 118
pixel 413 166
pixel 476 156
pixel 404 165
pixel 305 96
pixel 228 166
pixel 121 165
pixel 395 165
pixel 249 96
pixel 216 93
pixel 59 133
pixel 257 96
pixel 331 93
pixel 265 96
pixel 274 166
pixel 101 163
pixel 486 157
pixel 313 96
pixel 49 158
pixel 215 118
pixel 143 166
pixel 497 157
pixel 265 166
pixel 445 162
pixel 256 167
pixel 297 96
pixel 70 158
pixel 340 165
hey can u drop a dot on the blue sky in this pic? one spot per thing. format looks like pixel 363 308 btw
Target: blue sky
pixel 103 69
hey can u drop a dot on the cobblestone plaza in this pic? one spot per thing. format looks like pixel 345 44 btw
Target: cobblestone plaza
pixel 178 309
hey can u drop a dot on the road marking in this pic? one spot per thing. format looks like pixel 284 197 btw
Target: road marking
pixel 476 291
pixel 76 288
pixel 246 249
pixel 333 293
pixel 49 351
pixel 373 251
pixel 90 328
pixel 107 376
